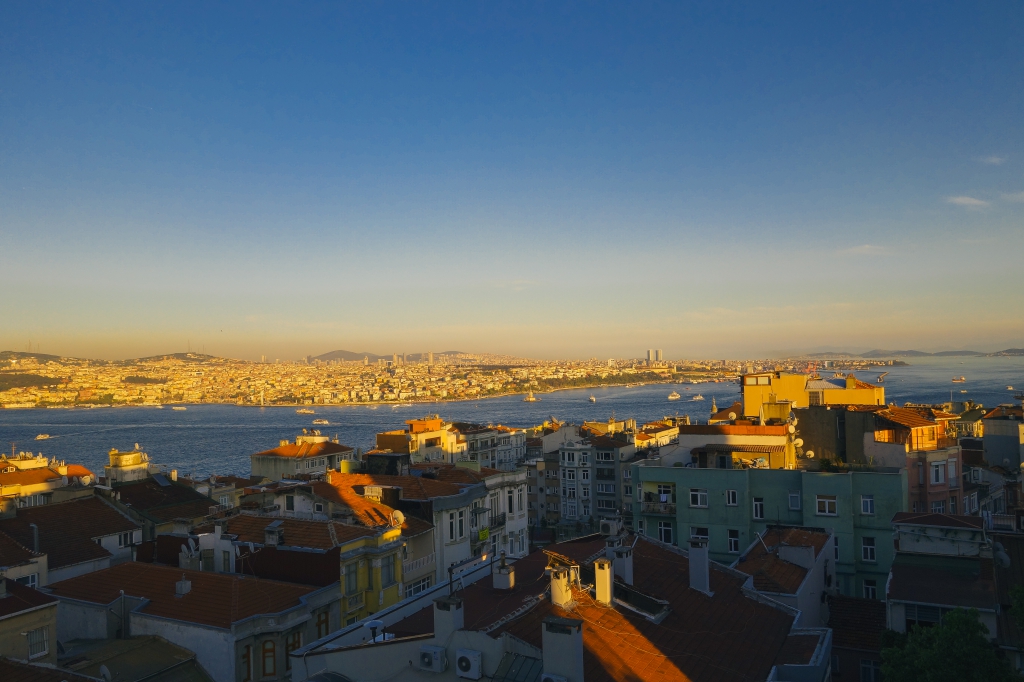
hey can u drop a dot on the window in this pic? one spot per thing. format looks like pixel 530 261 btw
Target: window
pixel 951 465
pixel 323 624
pixel 731 498
pixel 939 507
pixel 867 504
pixel 292 642
pixel 519 498
pixel 511 501
pixel 952 505
pixel 451 524
pixel 698 533
pixel 125 539
pixel 31 580
pixel 794 499
pixel 734 542
pixel 585 491
pixel 351 579
pixel 835 541
pixel 225 561
pixel 870 589
pixel 417 586
pixel 289 505
pixel 641 527
pixel 584 475
pixel 974 502
pixel 870 671
pixel 665 531
pixel 269 658
pixel 387 570
pixel 627 490
pixel 758 507
pixel 38 642
pixel 318 507
pixel 604 457
pixel 867 549
pixel 462 523
pixel 246 663
pixel 606 504
pixel 606 488
pixel 569 474
pixel 698 497
pixel 826 505
pixel 938 473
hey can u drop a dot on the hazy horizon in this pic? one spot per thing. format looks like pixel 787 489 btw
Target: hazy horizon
pixel 533 180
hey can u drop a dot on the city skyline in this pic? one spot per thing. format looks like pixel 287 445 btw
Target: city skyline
pixel 541 182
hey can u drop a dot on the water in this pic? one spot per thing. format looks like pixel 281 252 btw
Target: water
pixel 218 439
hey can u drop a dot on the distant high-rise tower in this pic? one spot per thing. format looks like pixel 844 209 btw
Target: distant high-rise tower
pixel 403 358
pixel 366 360
pixel 657 354
pixel 263 359
pixel 430 358
pixel 650 356
pixel 394 359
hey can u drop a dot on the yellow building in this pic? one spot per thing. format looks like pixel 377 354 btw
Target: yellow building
pixel 429 439
pixel 802 391
pixel 28 623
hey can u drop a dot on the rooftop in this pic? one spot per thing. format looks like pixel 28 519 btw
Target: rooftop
pixel 216 599
pixel 16 671
pixel 148 658
pixel 905 417
pixel 856 623
pixel 306 449
pixel 939 520
pixel 949 581
pixel 296 532
pixel 770 572
pixel 450 473
pixel 40 475
pixel 21 598
pixel 164 502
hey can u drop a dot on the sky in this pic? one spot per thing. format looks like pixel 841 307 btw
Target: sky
pixel 550 180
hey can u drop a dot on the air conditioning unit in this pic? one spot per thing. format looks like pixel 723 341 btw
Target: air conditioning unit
pixel 610 526
pixel 432 658
pixel 552 678
pixel 467 664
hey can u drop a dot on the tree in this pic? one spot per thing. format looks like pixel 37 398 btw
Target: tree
pixel 958 650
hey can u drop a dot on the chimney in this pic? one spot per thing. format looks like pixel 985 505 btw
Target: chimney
pixel 182 587
pixel 220 527
pixel 561 588
pixel 448 618
pixel 611 544
pixel 35 537
pixel 624 564
pixel 603 580
pixel 700 568
pixel 174 474
pixel 504 575
pixel 273 535
pixel 562 643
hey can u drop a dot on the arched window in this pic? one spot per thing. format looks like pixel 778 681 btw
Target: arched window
pixel 246 663
pixel 269 659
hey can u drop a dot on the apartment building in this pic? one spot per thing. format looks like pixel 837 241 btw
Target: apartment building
pixel 32 479
pixel 801 390
pixel 1003 439
pixel 311 453
pixel 429 439
pixel 729 508
pixel 28 624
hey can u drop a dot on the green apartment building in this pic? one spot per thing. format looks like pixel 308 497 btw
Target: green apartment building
pixel 729 507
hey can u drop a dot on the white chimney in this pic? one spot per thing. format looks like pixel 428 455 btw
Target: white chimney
pixel 562 642
pixel 273 535
pixel 700 578
pixel 174 474
pixel 448 617
pixel 611 544
pixel 603 581
pixel 182 587
pixel 624 564
pixel 561 588
pixel 504 575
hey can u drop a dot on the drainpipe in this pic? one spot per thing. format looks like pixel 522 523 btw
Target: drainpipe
pixel 35 537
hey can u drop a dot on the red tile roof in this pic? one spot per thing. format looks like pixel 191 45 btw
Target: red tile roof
pixel 911 419
pixel 13 553
pixel 297 532
pixel 769 571
pixel 367 512
pixel 1004 412
pixel 856 623
pixel 413 487
pixel 216 599
pixel 450 473
pixel 163 503
pixel 42 475
pixel 16 671
pixel 67 530
pixel 21 598
pixel 305 450
pixel 953 582
pixel 730 429
pixel 723 414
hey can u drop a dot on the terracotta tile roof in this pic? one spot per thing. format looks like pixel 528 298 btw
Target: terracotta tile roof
pixel 305 450
pixel 67 530
pixel 721 447
pixel 450 473
pixel 730 429
pixel 939 520
pixel 164 502
pixel 297 532
pixel 366 512
pixel 856 623
pixel 1004 412
pixel 16 671
pixel 216 599
pixel 413 487
pixel 952 581
pixel 13 553
pixel 723 414
pixel 21 598
pixel 911 419
pixel 41 475
pixel 772 573
pixel 724 637
pixel 797 650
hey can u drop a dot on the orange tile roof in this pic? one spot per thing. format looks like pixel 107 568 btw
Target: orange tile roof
pixel 13 553
pixel 41 475
pixel 296 532
pixel 856 623
pixel 450 473
pixel 723 414
pixel 305 450
pixel 216 599
pixel 773 574
pixel 67 530
pixel 367 512
pixel 413 487
pixel 731 429
pixel 911 419
pixel 21 598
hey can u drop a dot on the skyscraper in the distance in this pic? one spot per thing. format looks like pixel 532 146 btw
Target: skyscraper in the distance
pixel 430 357
pixel 657 354
pixel 650 356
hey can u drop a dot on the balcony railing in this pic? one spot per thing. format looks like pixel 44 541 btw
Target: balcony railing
pixel 416 564
pixel 355 601
pixel 1003 522
pixel 498 521
pixel 664 508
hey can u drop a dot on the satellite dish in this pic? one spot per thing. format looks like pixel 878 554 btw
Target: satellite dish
pixel 397 518
pixel 799 442
pixel 192 544
pixel 238 552
pixel 732 416
pixel 810 454
pixel 184 550
pixel 105 673
pixel 791 428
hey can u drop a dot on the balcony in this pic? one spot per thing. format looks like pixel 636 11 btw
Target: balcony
pixel 416 564
pixel 498 521
pixel 660 508
pixel 355 601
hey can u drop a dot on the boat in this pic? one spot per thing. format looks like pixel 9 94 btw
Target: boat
pixel 304 410
pixel 963 390
pixel 42 436
pixel 674 396
pixel 321 421
pixel 592 398
pixel 698 397
pixel 530 398
pixel 1009 388
pixel 959 380
pixel 179 408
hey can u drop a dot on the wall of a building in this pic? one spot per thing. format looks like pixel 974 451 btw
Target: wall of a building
pixel 82 620
pixel 210 645
pixel 14 644
pixel 65 572
pixel 1004 441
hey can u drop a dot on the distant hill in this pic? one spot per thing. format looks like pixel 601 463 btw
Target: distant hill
pixel 919 354
pixel 18 355
pixel 349 356
pixel 1010 351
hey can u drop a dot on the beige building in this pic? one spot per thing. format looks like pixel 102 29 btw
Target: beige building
pixel 429 439
pixel 28 623
pixel 801 390
pixel 311 453
pixel 33 479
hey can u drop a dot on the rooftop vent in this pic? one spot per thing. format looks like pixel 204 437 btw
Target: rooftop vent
pixel 182 587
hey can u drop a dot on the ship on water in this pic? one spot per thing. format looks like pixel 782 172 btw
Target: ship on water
pixel 304 410
pixel 323 422
pixel 697 397
pixel 674 396
pixel 592 398
pixel 179 408
pixel 959 380
pixel 530 398
pixel 43 436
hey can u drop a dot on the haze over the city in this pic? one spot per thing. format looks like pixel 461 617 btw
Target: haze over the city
pixel 533 179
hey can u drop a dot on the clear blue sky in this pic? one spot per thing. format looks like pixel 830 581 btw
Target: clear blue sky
pixel 545 180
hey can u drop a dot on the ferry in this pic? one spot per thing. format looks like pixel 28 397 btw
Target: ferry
pixel 674 396
pixel 963 390
pixel 959 380
pixel 530 398
pixel 1009 388
pixel 321 421
pixel 42 436
pixel 179 408
pixel 698 397
pixel 592 398
pixel 304 410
